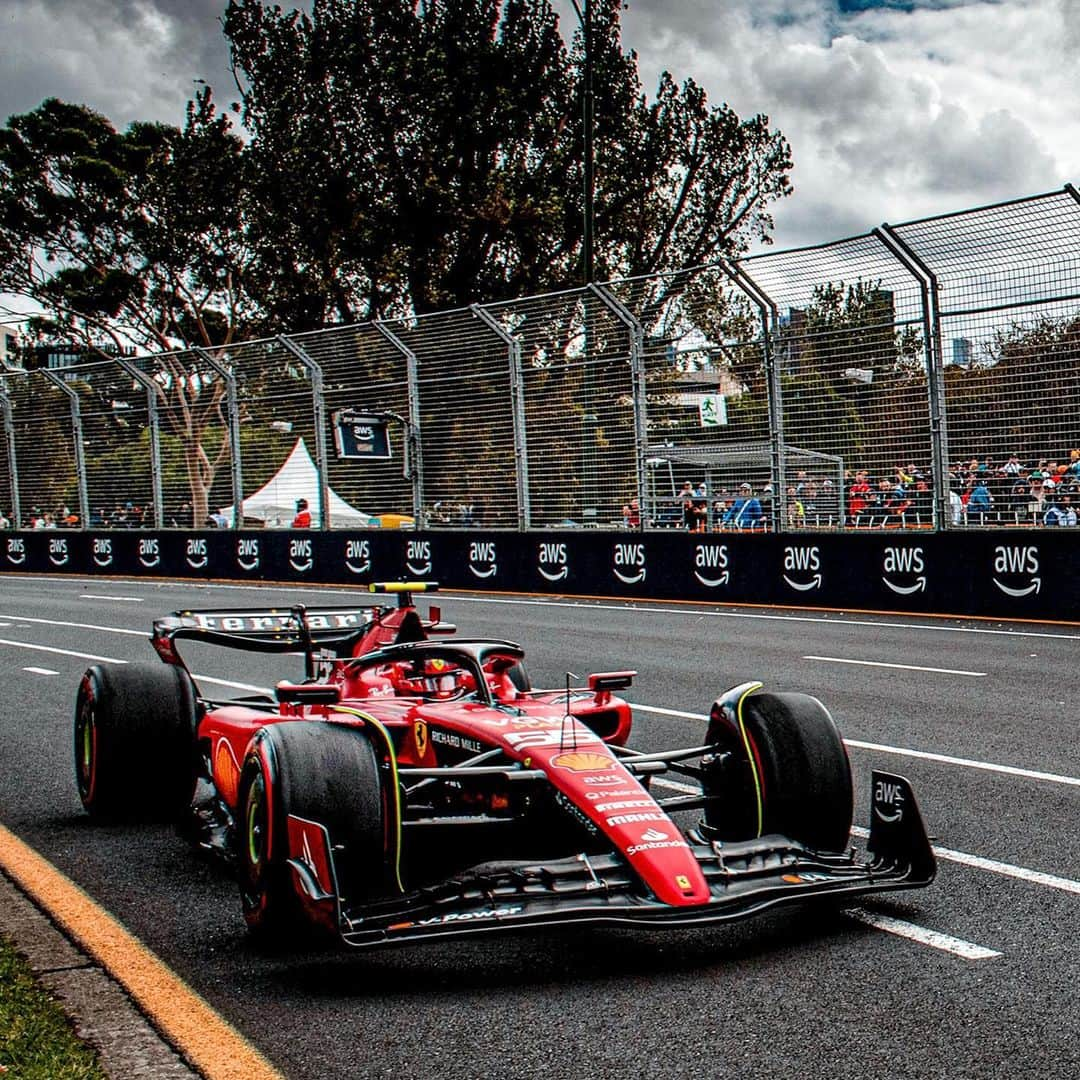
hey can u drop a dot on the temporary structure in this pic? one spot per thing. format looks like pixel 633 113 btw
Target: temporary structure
pixel 275 502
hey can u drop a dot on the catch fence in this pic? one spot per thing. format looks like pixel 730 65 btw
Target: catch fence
pixel 922 375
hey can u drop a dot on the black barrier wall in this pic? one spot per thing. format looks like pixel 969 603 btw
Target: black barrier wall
pixel 1006 574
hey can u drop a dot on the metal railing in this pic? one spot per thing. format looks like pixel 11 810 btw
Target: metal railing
pixel 922 375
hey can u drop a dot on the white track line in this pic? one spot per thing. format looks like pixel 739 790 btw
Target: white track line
pixel 945 942
pixel 977 862
pixel 41 671
pixel 922 755
pixel 60 652
pixel 899 667
pixel 103 596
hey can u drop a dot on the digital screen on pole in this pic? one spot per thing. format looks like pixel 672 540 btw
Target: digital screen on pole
pixel 361 435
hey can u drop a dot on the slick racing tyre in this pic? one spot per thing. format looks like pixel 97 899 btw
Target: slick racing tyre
pixel 789 775
pixel 135 741
pixel 326 773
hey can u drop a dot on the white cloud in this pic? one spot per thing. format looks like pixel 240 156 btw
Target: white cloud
pixel 893 112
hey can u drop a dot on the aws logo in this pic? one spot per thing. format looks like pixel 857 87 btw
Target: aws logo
pixel 711 564
pixel 58 552
pixel 803 561
pixel 301 555
pixel 418 557
pixel 904 561
pixel 1017 561
pixel 358 556
pixel 482 559
pixel 196 554
pixel 552 561
pixel 631 559
pixel 102 551
pixel 247 554
pixel 16 550
pixel 149 553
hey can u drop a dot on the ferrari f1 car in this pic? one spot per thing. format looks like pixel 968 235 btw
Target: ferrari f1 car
pixel 413 785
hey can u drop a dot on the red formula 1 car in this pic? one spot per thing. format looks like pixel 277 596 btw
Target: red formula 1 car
pixel 415 786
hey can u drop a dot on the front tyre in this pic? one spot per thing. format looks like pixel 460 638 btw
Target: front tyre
pixel 134 741
pixel 321 772
pixel 786 771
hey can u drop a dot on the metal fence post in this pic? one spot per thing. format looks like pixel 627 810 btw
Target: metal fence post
pixel 232 406
pixel 319 410
pixel 770 319
pixel 154 420
pixel 414 450
pixel 517 398
pixel 935 368
pixel 637 379
pixel 77 437
pixel 13 470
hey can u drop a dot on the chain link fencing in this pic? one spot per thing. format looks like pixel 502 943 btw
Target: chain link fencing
pixel 922 375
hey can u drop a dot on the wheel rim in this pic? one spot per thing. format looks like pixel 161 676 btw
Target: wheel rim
pixel 255 826
pixel 86 744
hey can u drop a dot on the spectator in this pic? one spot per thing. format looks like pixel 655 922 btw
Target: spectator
pixel 980 502
pixel 631 515
pixel 5 521
pixel 184 517
pixel 956 505
pixel 217 519
pixel 1061 511
pixel 860 497
pixel 796 513
pixel 745 512
pixel 828 502
pixel 302 520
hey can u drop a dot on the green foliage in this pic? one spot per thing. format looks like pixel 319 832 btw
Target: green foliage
pixel 36 1041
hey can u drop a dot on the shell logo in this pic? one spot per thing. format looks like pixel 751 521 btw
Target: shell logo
pixel 583 761
pixel 226 772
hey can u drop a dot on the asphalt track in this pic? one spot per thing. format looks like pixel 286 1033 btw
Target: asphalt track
pixel 974 977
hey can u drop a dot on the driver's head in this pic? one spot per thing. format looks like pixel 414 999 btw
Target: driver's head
pixel 437 678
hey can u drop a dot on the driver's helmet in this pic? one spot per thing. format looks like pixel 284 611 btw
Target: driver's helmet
pixel 437 678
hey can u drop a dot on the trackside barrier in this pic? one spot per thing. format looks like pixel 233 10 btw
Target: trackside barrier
pixel 1008 574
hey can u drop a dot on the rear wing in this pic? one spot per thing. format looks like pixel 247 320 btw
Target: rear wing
pixel 334 630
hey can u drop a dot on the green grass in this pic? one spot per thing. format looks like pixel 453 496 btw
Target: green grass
pixel 36 1039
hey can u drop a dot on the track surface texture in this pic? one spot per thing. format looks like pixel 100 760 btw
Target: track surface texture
pixel 981 717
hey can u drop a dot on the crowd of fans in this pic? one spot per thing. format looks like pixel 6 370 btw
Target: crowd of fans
pixel 980 492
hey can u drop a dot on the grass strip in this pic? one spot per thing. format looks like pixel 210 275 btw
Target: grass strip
pixel 36 1038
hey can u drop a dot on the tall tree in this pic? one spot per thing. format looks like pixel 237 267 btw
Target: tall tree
pixel 419 156
pixel 133 241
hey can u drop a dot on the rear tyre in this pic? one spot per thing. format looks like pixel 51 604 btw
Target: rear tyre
pixel 794 758
pixel 323 772
pixel 134 739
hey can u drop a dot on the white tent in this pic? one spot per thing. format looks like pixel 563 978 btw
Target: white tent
pixel 275 502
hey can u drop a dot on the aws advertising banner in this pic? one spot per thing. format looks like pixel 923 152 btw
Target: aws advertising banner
pixel 1007 574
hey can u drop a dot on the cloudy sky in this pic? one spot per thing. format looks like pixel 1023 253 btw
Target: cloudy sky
pixel 895 109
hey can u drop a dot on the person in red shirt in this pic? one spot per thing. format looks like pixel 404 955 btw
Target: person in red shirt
pixel 303 515
pixel 860 497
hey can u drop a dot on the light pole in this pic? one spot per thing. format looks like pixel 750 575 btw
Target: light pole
pixel 584 15
pixel 588 416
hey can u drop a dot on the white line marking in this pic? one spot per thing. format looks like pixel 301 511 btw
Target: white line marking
pixel 899 667
pixel 922 755
pixel 103 596
pixel 967 763
pixel 833 618
pixel 61 652
pixel 977 862
pixel 41 671
pixel 235 685
pixel 964 949
pixel 79 626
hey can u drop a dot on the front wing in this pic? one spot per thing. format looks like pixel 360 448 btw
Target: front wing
pixel 744 878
